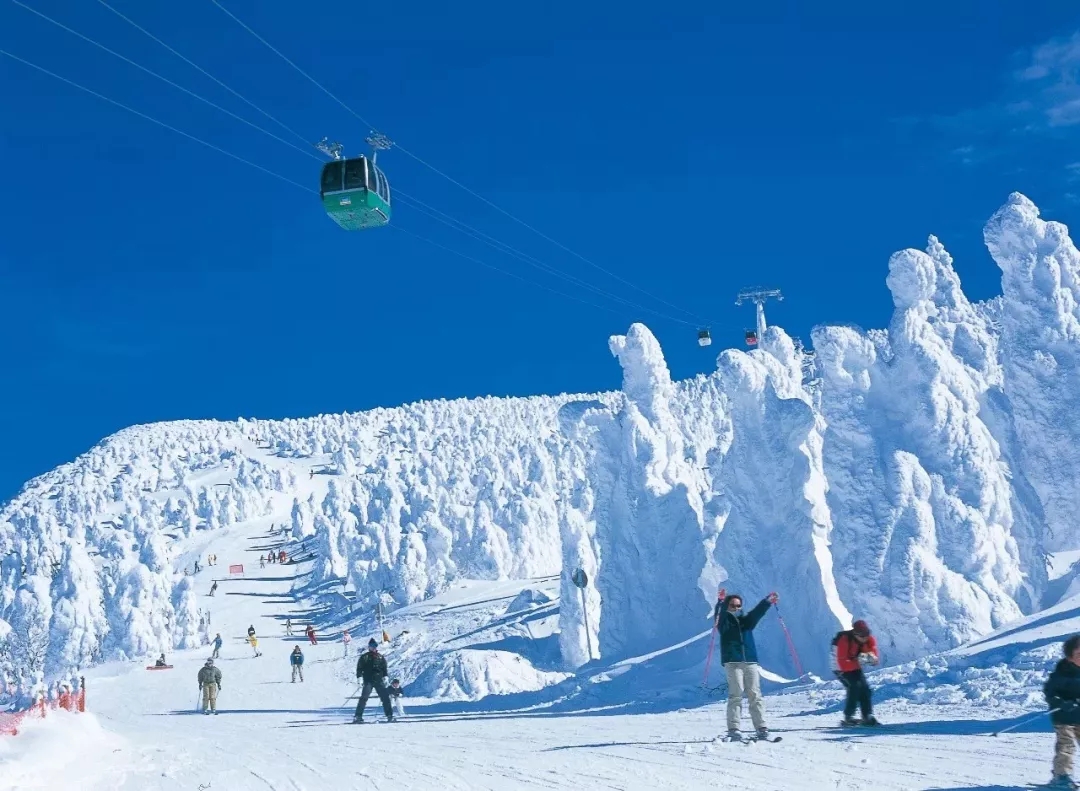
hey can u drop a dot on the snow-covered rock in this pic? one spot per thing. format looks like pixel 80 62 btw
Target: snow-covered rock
pixel 472 674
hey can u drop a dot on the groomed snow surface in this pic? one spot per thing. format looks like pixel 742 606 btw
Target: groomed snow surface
pixel 640 723
pixel 922 477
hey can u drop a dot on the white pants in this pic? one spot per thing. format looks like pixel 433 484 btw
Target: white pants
pixel 399 710
pixel 743 678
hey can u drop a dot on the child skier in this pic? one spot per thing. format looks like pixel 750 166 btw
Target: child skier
pixel 738 655
pixel 854 647
pixel 1062 691
pixel 296 659
pixel 396 693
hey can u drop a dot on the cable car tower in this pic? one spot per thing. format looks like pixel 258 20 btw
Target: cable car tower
pixel 758 296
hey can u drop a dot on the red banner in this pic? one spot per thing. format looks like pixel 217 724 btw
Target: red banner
pixel 237 568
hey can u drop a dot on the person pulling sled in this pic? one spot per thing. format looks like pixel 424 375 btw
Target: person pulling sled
pixel 371 670
pixel 854 648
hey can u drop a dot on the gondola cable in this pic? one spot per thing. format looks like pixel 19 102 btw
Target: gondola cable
pixel 257 166
pixel 432 212
pixel 446 176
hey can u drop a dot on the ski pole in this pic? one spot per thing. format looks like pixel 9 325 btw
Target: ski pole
pixel 790 642
pixel 1025 721
pixel 708 658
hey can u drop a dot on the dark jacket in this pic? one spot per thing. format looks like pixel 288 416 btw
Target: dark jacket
pixel 736 632
pixel 209 675
pixel 296 658
pixel 371 667
pixel 1062 692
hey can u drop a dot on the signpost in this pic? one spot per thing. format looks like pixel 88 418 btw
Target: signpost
pixel 581 579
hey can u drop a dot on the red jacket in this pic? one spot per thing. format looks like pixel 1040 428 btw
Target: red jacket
pixel 848 650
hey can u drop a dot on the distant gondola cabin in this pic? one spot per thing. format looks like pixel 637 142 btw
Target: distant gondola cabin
pixel 355 193
pixel 751 338
pixel 704 338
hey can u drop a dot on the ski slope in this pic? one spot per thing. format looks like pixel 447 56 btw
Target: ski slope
pixel 638 723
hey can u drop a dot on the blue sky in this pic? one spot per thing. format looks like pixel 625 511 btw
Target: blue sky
pixel 690 148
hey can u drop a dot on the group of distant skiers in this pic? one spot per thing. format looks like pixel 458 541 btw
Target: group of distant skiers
pixel 371 673
pixel 272 557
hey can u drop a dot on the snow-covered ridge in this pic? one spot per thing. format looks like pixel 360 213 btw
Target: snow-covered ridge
pixel 916 481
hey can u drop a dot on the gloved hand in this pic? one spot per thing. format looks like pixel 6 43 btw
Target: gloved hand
pixel 773 598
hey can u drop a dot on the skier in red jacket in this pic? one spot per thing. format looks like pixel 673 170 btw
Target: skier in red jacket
pixel 854 647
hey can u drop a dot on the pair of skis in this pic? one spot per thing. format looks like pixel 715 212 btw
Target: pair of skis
pixel 752 739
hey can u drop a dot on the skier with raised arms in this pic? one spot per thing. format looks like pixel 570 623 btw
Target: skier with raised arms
pixel 738 655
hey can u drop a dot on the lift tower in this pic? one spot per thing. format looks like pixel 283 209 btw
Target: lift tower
pixel 758 297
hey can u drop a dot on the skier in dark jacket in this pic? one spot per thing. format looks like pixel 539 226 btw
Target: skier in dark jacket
pixel 209 685
pixel 1062 692
pixel 296 659
pixel 371 670
pixel 738 655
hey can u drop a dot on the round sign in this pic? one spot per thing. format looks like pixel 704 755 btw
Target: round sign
pixel 580 578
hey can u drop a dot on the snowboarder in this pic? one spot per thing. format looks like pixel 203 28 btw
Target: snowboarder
pixel 1062 691
pixel 738 655
pixel 310 632
pixel 213 588
pixel 288 627
pixel 160 661
pixel 210 685
pixel 217 646
pixel 396 693
pixel 371 670
pixel 296 659
pixel 346 640
pixel 854 647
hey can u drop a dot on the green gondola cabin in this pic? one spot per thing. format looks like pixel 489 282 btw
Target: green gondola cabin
pixel 355 193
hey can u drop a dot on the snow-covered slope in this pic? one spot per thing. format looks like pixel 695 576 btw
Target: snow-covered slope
pixel 917 482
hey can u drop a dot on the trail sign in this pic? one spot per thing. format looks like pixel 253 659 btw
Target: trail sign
pixel 580 578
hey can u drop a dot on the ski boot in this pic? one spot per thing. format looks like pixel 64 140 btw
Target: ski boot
pixel 762 734
pixel 871 722
pixel 733 735
pixel 848 722
pixel 357 720
pixel 1064 782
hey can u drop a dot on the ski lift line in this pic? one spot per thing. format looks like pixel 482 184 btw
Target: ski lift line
pixel 502 247
pixel 545 236
pixel 497 269
pixel 281 55
pixel 449 178
pixel 203 71
pixel 62 26
pixel 171 128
